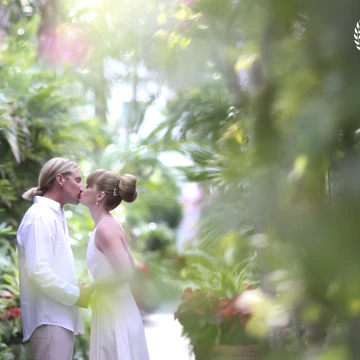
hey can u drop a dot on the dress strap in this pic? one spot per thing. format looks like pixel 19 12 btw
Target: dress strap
pixel 101 222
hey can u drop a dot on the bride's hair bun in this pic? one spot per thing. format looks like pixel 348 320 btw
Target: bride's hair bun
pixel 127 187
pixel 115 187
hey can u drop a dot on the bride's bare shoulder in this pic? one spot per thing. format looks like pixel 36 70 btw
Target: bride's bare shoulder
pixel 107 232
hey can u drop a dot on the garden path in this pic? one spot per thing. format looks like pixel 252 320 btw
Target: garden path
pixel 163 335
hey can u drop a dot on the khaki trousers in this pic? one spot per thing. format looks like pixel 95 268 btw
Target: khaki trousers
pixel 51 342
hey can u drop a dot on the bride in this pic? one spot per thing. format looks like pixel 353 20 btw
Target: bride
pixel 117 330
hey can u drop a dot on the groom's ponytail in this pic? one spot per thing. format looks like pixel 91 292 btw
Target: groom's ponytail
pixel 48 174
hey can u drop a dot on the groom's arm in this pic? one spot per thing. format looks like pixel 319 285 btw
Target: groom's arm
pixel 39 254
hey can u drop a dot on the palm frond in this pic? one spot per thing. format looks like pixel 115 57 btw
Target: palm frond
pixel 201 257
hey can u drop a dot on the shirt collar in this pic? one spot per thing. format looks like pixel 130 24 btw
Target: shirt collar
pixel 52 203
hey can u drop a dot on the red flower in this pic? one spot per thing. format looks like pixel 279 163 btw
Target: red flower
pixel 228 310
pixel 10 312
pixel 15 311
pixel 193 301
pixel 226 314
pixel 224 302
pixel 189 294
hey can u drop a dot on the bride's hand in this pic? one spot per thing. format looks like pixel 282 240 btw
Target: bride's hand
pixel 84 297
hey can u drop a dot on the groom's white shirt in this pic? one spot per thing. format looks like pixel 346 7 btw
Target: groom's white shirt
pixel 47 271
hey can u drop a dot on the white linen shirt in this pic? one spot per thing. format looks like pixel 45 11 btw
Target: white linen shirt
pixel 48 290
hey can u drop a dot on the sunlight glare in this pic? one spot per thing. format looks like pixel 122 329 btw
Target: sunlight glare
pixel 89 3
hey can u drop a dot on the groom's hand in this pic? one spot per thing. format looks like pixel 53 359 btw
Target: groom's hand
pixel 85 295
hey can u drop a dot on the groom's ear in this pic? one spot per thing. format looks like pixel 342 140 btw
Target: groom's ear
pixel 60 179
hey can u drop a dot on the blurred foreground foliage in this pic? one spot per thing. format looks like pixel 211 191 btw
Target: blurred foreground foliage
pixel 277 153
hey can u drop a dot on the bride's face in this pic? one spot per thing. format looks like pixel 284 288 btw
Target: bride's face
pixel 89 196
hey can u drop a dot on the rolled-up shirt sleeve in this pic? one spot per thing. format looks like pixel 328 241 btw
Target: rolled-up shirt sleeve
pixel 39 253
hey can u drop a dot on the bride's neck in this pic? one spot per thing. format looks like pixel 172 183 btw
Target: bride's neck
pixel 98 214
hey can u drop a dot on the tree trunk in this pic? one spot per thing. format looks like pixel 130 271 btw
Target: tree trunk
pixel 50 16
pixel 100 88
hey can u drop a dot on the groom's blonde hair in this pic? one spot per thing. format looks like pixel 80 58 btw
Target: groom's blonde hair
pixel 48 174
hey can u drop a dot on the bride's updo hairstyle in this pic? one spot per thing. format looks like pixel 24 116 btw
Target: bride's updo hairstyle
pixel 115 187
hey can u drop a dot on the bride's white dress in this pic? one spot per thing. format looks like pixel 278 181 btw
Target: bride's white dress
pixel 117 331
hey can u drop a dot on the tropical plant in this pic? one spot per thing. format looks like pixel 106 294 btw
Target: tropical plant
pixel 10 313
pixel 208 321
pixel 41 116
pixel 209 312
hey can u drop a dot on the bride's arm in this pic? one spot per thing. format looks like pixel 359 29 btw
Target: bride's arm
pixel 109 240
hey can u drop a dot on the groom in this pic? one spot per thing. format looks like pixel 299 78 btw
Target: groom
pixel 49 292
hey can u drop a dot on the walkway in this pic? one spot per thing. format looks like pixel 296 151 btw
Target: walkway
pixel 163 335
